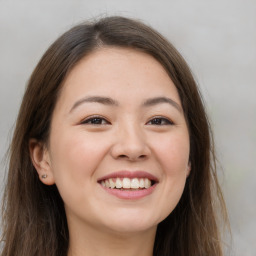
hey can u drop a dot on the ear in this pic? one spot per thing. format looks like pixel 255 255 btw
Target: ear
pixel 188 169
pixel 41 160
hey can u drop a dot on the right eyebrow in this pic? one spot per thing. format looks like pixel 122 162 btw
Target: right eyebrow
pixel 95 99
pixel 160 100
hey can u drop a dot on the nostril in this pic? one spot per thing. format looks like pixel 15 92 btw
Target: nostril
pixel 131 157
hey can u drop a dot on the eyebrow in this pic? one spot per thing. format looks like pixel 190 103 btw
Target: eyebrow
pixel 111 102
pixel 159 100
pixel 95 99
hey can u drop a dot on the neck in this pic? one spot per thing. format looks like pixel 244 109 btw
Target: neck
pixel 92 242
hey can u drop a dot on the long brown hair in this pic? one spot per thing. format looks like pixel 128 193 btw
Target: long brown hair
pixel 34 220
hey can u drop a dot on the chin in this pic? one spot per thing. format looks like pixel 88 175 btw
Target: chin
pixel 131 223
pixel 131 229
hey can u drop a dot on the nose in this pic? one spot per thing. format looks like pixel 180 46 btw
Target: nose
pixel 130 144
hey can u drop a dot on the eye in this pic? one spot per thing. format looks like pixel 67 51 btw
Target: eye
pixel 160 121
pixel 95 120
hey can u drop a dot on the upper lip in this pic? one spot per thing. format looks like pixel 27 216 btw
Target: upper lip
pixel 129 174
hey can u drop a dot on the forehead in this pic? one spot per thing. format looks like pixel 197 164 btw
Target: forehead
pixel 109 60
pixel 119 73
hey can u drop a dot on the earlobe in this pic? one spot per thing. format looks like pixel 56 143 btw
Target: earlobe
pixel 40 158
pixel 188 169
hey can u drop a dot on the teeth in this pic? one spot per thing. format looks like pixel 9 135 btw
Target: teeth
pixel 142 183
pixel 119 183
pixel 147 183
pixel 107 183
pixel 135 183
pixel 112 183
pixel 126 183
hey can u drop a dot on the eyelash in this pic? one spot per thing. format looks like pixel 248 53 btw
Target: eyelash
pixel 160 119
pixel 95 120
pixel 98 120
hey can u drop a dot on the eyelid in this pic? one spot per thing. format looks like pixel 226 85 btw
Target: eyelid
pixel 167 120
pixel 90 118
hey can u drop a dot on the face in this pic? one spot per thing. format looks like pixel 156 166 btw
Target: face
pixel 119 145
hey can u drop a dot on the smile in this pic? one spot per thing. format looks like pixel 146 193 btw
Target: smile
pixel 129 185
pixel 126 183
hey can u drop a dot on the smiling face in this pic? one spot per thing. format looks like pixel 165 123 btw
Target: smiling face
pixel 119 144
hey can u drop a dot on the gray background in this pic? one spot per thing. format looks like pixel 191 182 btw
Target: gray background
pixel 218 40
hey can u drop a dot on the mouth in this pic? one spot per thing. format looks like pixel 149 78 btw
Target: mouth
pixel 129 185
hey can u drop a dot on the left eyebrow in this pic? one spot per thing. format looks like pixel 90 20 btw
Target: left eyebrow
pixel 95 99
pixel 159 100
pixel 109 101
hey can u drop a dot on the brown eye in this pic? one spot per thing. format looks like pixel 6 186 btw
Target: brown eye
pixel 160 121
pixel 95 121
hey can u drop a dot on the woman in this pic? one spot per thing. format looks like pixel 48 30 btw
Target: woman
pixel 112 151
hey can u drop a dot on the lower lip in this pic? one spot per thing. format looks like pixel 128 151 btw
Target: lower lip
pixel 130 194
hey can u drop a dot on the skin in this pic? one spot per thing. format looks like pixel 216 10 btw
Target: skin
pixel 127 135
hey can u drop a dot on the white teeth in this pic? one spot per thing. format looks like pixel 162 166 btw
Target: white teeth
pixel 107 183
pixel 126 183
pixel 142 183
pixel 119 183
pixel 112 183
pixel 135 183
pixel 147 183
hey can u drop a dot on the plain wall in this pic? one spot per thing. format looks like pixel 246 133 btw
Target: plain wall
pixel 218 40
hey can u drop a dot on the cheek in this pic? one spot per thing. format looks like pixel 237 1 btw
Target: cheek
pixel 173 154
pixel 75 156
pixel 74 161
pixel 173 157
